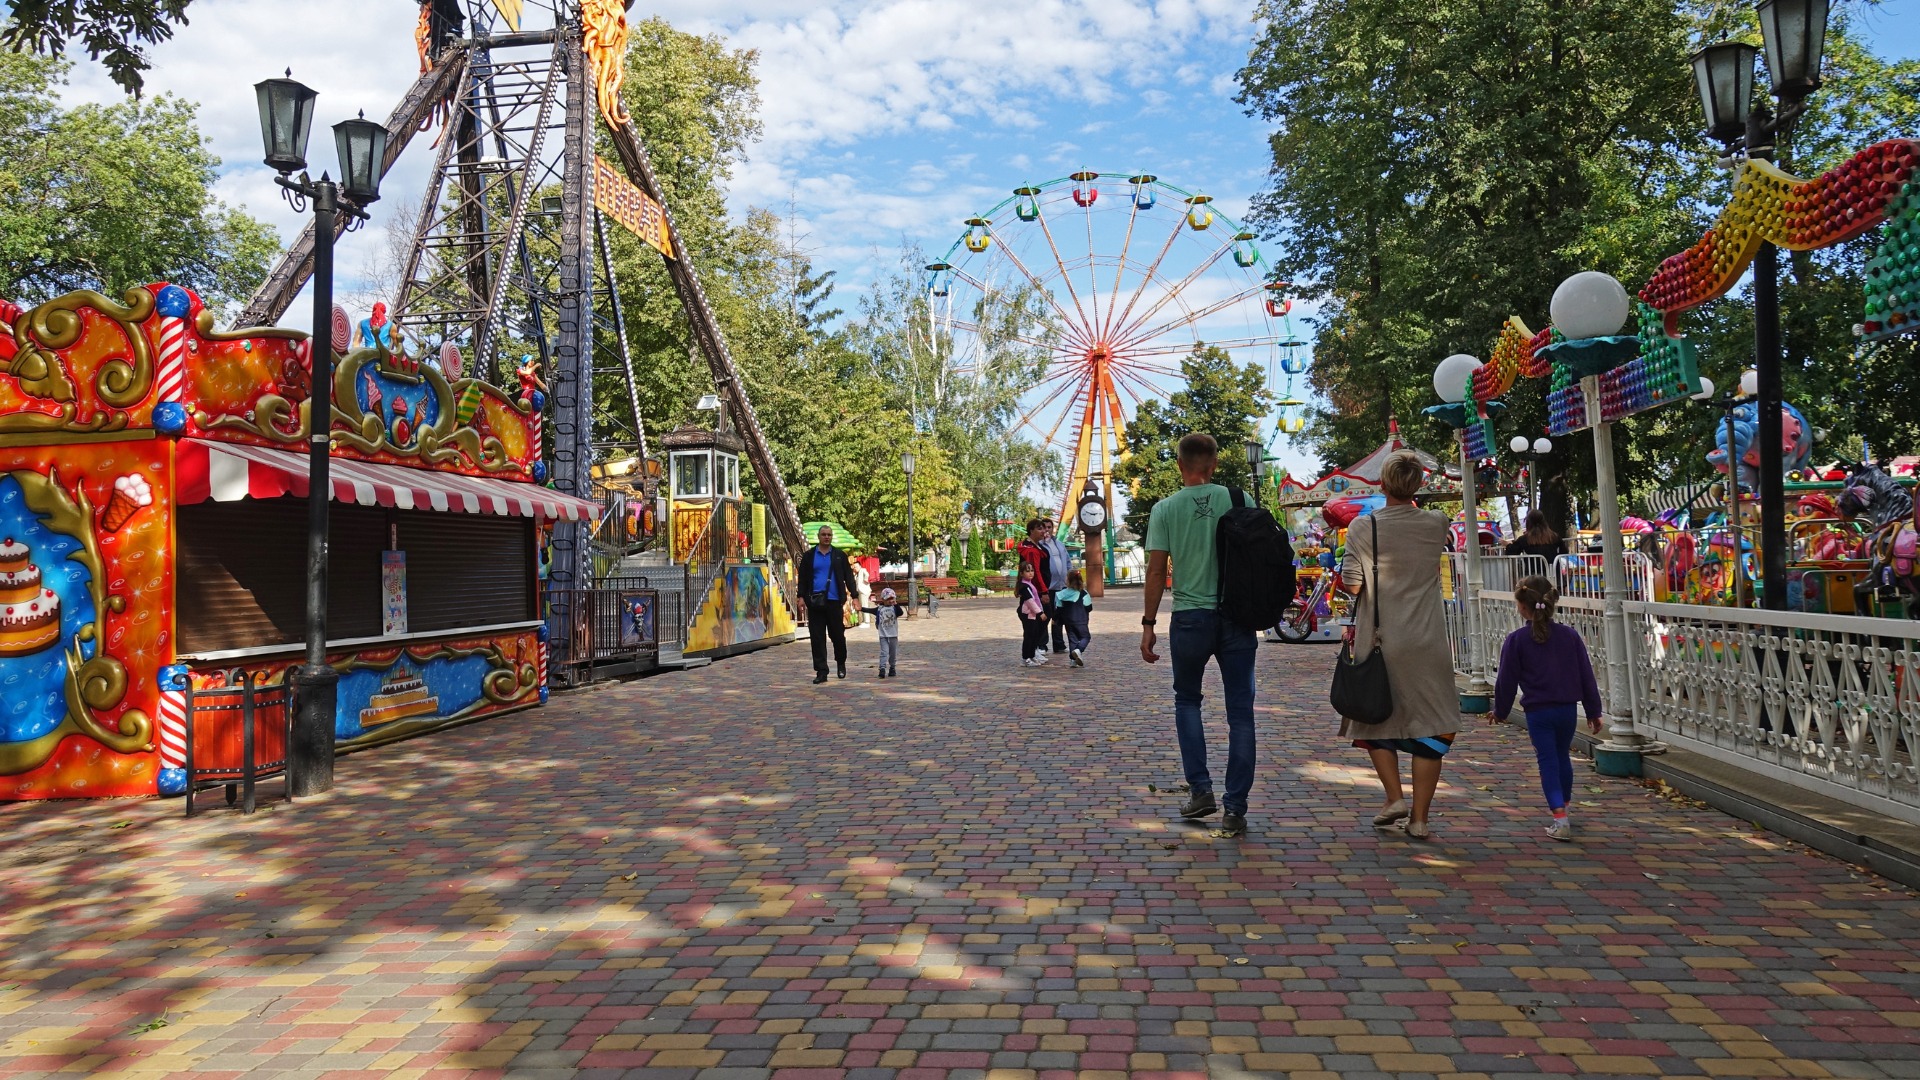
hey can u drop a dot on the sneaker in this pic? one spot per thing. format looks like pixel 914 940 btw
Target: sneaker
pixel 1039 659
pixel 1561 829
pixel 1201 805
pixel 1029 662
pixel 843 669
pixel 883 673
pixel 893 673
pixel 1077 661
pixel 1232 825
pixel 819 677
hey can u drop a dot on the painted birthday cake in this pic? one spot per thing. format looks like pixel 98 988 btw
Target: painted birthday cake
pixel 29 611
pixel 402 695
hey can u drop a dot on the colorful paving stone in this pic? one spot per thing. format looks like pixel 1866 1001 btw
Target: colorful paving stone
pixel 967 872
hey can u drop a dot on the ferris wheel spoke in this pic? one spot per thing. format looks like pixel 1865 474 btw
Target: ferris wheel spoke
pixel 1085 384
pixel 1081 336
pixel 1135 335
pixel 1182 347
pixel 1120 264
pixel 990 295
pixel 1172 293
pixel 1130 364
pixel 1065 278
pixel 1147 277
pixel 983 334
pixel 1027 418
pixel 1093 272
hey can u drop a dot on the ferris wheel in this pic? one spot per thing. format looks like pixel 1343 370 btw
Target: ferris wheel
pixel 1108 280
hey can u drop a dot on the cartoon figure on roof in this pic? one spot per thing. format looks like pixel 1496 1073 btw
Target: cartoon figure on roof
pixel 530 380
pixel 377 332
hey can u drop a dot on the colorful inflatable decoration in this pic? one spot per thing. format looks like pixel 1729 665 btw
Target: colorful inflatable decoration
pixel 1799 215
pixel 1795 451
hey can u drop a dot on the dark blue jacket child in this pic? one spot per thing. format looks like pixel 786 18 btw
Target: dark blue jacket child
pixel 1075 609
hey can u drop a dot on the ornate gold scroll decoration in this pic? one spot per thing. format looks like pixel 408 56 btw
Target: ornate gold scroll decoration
pixel 443 441
pixel 120 383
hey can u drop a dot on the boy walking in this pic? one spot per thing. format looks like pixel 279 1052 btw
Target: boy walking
pixel 886 619
pixel 1074 608
pixel 1180 530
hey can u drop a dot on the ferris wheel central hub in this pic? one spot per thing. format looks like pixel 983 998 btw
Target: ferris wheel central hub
pixel 1100 353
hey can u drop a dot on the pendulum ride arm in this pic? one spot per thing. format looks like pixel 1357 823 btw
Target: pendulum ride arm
pixel 290 274
pixel 633 157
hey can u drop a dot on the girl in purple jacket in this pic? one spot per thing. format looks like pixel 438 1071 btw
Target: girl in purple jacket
pixel 1547 662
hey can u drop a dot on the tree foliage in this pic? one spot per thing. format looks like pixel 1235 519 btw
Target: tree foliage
pixel 112 31
pixel 110 196
pixel 1221 399
pixel 1436 169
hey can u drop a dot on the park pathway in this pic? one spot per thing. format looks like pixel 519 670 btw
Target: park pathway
pixel 973 870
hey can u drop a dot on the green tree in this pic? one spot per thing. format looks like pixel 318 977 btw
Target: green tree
pixel 112 31
pixel 1219 398
pixel 108 197
pixel 1438 170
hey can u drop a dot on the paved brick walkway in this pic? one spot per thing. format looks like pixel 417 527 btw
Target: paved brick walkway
pixel 964 871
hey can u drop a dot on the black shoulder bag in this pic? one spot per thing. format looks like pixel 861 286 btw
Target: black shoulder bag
pixel 1361 692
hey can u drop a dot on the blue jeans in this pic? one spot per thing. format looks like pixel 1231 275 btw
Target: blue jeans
pixel 1551 728
pixel 1195 637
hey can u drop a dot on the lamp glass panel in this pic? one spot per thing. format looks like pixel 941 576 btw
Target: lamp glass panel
pixel 286 120
pixel 362 144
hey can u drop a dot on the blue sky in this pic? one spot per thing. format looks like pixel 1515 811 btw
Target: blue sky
pixel 887 121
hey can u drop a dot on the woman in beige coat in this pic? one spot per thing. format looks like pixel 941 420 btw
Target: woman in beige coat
pixel 1404 574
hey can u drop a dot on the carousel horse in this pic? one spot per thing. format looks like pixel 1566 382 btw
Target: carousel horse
pixel 1893 542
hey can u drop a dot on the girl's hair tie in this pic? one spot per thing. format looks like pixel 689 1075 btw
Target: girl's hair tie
pixel 1539 607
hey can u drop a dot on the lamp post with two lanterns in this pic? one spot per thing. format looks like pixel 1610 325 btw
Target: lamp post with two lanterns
pixel 286 121
pixel 1533 453
pixel 1451 379
pixel 1795 33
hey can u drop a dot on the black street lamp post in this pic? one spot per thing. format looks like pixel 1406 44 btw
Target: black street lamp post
pixel 286 120
pixel 1795 33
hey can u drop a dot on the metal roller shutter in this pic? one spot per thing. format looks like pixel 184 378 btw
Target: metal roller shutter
pixel 465 570
pixel 240 578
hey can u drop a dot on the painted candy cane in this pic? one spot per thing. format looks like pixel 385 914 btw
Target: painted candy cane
pixel 173 306
pixel 540 674
pixel 173 729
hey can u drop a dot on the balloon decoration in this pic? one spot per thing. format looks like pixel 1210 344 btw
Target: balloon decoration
pixel 1800 215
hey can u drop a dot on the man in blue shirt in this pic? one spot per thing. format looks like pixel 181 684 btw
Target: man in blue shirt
pixel 826 580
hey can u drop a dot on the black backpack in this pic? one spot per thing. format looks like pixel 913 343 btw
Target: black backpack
pixel 1255 560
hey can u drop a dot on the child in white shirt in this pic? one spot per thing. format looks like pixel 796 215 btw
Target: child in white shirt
pixel 886 619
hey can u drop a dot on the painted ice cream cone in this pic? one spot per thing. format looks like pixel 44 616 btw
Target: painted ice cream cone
pixel 130 494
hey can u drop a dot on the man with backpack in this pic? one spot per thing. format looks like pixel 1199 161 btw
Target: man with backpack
pixel 1233 574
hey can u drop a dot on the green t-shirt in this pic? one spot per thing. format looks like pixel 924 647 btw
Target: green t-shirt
pixel 1182 525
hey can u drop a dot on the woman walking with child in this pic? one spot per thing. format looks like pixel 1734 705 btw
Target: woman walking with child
pixel 1547 662
pixel 1392 555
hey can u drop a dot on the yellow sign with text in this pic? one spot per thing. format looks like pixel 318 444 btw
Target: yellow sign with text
pixel 616 197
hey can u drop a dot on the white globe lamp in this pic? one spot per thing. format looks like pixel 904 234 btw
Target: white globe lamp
pixel 1543 445
pixel 1749 383
pixel 1450 378
pixel 1589 304
pixel 1519 444
pixel 1706 390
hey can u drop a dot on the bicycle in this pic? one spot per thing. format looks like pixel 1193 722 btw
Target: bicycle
pixel 1300 619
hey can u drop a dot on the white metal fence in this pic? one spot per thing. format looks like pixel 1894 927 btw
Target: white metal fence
pixel 1829 703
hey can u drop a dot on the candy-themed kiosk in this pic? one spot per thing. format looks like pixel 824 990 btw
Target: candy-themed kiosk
pixel 153 521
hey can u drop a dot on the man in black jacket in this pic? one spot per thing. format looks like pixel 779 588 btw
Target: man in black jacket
pixel 826 580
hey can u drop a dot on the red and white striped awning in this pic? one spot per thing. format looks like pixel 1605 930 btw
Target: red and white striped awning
pixel 229 472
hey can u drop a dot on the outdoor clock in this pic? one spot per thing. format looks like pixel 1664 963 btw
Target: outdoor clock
pixel 1092 514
